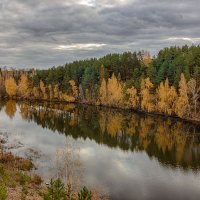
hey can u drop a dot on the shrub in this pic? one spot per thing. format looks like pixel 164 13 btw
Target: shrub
pixel 36 180
pixel 85 194
pixel 3 192
pixel 56 191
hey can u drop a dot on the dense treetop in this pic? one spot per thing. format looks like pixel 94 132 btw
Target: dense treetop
pixel 168 83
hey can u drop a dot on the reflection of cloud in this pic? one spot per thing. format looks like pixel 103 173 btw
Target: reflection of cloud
pixel 87 152
pixel 89 46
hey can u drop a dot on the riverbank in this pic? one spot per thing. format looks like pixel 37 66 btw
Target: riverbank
pixel 18 181
pixel 15 181
pixel 126 108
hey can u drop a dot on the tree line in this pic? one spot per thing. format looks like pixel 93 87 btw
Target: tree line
pixel 168 83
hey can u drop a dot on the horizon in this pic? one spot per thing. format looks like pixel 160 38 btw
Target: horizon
pixel 88 58
pixel 51 33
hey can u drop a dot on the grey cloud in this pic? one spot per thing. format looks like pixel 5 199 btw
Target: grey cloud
pixel 31 30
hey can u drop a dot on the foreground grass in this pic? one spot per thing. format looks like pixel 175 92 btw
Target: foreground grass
pixel 15 181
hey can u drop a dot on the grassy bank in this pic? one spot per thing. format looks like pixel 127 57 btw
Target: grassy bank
pixel 15 179
pixel 17 182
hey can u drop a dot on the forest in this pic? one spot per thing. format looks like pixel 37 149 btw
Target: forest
pixel 167 84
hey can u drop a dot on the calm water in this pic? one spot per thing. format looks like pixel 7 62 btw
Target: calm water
pixel 127 155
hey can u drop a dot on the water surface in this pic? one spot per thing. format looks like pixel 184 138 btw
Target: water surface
pixel 128 155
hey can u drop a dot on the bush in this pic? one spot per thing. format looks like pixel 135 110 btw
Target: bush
pixel 23 179
pixel 85 194
pixel 3 192
pixel 36 180
pixel 56 191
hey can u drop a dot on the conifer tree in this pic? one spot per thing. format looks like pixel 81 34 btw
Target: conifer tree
pixel 103 92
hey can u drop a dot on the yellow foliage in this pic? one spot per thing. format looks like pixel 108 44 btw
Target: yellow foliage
pixel 182 103
pixel 36 93
pixel 115 91
pixel 56 92
pixel 74 88
pixel 68 98
pixel 50 91
pixel 166 97
pixel 146 97
pixel 11 87
pixel 68 107
pixel 23 86
pixel 133 98
pixel 133 124
pixel 43 89
pixel 88 95
pixel 114 124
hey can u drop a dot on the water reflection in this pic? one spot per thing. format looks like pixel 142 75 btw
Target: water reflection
pixel 173 143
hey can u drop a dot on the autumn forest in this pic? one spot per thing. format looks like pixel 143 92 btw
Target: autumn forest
pixel 167 84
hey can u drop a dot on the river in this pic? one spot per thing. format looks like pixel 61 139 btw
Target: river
pixel 124 154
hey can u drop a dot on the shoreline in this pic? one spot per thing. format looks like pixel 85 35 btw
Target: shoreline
pixel 17 181
pixel 130 110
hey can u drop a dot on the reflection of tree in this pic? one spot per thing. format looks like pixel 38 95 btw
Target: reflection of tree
pixel 180 141
pixel 24 110
pixel 102 121
pixel 170 141
pixel 73 118
pixel 114 123
pixel 10 108
pixel 68 166
pixel 145 129
pixel 163 138
pixel 133 123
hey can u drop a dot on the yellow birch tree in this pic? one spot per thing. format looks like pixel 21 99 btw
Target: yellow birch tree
pixel 146 96
pixel 11 87
pixel 166 98
pixel 23 86
pixel 115 91
pixel 182 103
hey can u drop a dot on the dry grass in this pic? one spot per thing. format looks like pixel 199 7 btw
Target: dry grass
pixel 14 176
pixel 10 160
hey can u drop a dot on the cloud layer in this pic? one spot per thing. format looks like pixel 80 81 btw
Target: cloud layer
pixel 51 32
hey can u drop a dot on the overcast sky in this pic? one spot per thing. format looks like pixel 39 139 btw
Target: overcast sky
pixel 44 33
